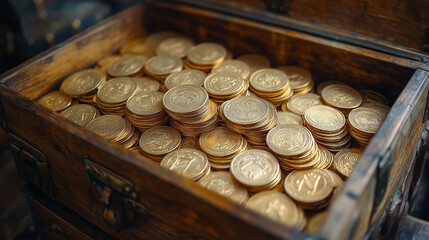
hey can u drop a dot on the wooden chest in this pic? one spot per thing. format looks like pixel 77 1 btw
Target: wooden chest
pixel 78 175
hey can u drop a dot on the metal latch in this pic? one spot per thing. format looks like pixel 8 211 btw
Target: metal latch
pixel 118 195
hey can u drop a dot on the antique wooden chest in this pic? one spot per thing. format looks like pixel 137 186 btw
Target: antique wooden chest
pixel 82 186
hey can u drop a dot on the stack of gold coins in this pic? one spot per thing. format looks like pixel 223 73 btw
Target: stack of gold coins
pixel 300 102
pixel 256 169
pixel 159 67
pixel 328 126
pixel 345 161
pixel 56 101
pixel 221 145
pixel 255 62
pixel 278 207
pixel 288 118
pixel 300 79
pixel 369 96
pixel 188 162
pixel 115 129
pixel 81 114
pixel 294 147
pixel 363 123
pixel 204 56
pixel 251 116
pixel 235 66
pixel 146 84
pixel 113 95
pixel 326 158
pixel 223 86
pixel 104 63
pixel 127 66
pixel 271 85
pixel 145 110
pixel 224 184
pixel 175 46
pixel 190 109
pixel 158 141
pixel 83 84
pixel 324 84
pixel 185 77
pixel 342 97
pixel 312 189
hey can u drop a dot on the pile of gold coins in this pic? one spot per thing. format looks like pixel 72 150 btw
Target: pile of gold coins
pixel 258 135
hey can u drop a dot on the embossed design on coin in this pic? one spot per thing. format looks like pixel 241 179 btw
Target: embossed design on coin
pixel 207 53
pixel 220 142
pixel 367 120
pixel 107 126
pixel 81 114
pixel 346 159
pixel 145 103
pixel 185 77
pixel 223 183
pixel 146 84
pixel 223 83
pixel 308 186
pixel 185 98
pixel 245 110
pixel 82 82
pixel 160 140
pixel 301 102
pixel 56 101
pixel 325 118
pixel 269 80
pixel 288 118
pixel 298 77
pixel 163 65
pixel 127 65
pixel 289 140
pixel 341 96
pixel 117 90
pixel 188 162
pixel 235 66
pixel 175 46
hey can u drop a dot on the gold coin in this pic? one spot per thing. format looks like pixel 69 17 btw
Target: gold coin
pixel 146 84
pixel 324 84
pixel 367 120
pixel 288 118
pixel 269 80
pixel 325 118
pixel 81 114
pixel 160 140
pixel 254 167
pixel 316 222
pixel 220 142
pixel 187 162
pixel 163 65
pixel 235 66
pixel 289 140
pixel 276 206
pixel 82 82
pixel 223 83
pixel 185 77
pixel 245 110
pixel 207 53
pixel 175 46
pixel 106 61
pixel 117 90
pixel 341 96
pixel 185 99
pixel 107 126
pixel 298 77
pixel 300 102
pixel 145 103
pixel 154 39
pixel 56 101
pixel 224 184
pixel 128 65
pixel 136 46
pixel 255 62
pixel 308 186
pixel 346 159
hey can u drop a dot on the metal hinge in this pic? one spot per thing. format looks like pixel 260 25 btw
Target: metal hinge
pixel 118 195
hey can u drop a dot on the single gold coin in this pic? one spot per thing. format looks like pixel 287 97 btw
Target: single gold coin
pixel 81 114
pixel 308 186
pixel 325 118
pixel 245 110
pixel 289 140
pixel 255 62
pixel 223 83
pixel 145 103
pixel 107 126
pixel 207 53
pixel 288 118
pixel 188 162
pixel 299 103
pixel 146 84
pixel 324 84
pixel 235 66
pixel 117 90
pixel 341 96
pixel 298 77
pixel 367 120
pixel 370 96
pixel 128 65
pixel 254 167
pixel 56 101
pixel 163 65
pixel 346 159
pixel 269 80
pixel 185 98
pixel 154 39
pixel 175 46
pixel 220 142
pixel 160 140
pixel 185 77
pixel 276 206
pixel 82 82
pixel 224 184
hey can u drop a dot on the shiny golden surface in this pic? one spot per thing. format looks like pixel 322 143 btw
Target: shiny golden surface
pixel 308 186
pixel 301 102
pixel 83 82
pixel 325 118
pixel 163 65
pixel 126 66
pixel 299 78
pixel 145 103
pixel 188 162
pixel 81 114
pixel 117 90
pixel 56 101
pixel 235 66
pixel 207 53
pixel 220 142
pixel 160 140
pixel 147 84
pixel 289 140
pixel 369 96
pixel 367 120
pixel 224 184
pixel 255 62
pixel 175 46
pixel 345 161
pixel 288 118
pixel 341 96
pixel 268 80
pixel 185 77
pixel 107 126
